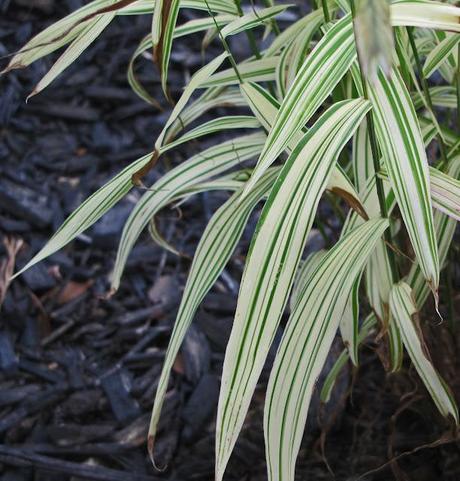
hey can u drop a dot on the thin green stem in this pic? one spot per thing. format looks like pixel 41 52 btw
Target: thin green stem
pixel 275 27
pixel 327 16
pixel 249 33
pixel 426 91
pixel 252 42
pixel 225 44
pixel 376 161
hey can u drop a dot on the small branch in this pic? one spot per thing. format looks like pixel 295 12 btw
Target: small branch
pixel 426 91
pixel 225 44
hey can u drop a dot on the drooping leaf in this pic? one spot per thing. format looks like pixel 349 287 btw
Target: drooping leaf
pixel 322 70
pixel 215 248
pixel 306 343
pixel 200 167
pixel 404 312
pixel 401 142
pixel 272 261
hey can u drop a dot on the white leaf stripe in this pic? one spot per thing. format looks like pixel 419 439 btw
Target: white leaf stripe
pixel 303 275
pixel 147 6
pixel 167 42
pixel 272 261
pixel 210 99
pixel 444 192
pixel 426 14
pixel 322 70
pixel 306 343
pixel 215 248
pixel 401 142
pixel 403 310
pixel 200 167
pixel 308 23
pixel 363 166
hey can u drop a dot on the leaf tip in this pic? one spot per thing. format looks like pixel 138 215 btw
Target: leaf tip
pixel 150 447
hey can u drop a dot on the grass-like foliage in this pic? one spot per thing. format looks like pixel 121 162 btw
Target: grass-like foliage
pixel 340 100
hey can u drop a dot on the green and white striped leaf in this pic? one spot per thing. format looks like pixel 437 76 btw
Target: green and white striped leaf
pixel 440 54
pixel 378 276
pixel 262 70
pixel 210 99
pixel 188 28
pixel 304 273
pixel 164 20
pixel 363 166
pixel 420 13
pixel 443 96
pixel 253 19
pixel 143 7
pixel 272 261
pixel 195 82
pixel 368 324
pixel 87 36
pixel 401 143
pixel 213 252
pixel 349 323
pixel 56 35
pixel 322 70
pixel 404 312
pixel 444 192
pixel 265 108
pixel 211 162
pixel 306 343
pixel 426 14
pixel 220 124
pixel 92 209
pixel 304 26
pixel 445 228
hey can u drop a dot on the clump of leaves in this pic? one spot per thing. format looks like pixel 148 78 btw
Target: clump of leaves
pixel 307 95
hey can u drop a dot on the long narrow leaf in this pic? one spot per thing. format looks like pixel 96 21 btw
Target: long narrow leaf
pixel 215 248
pixel 324 67
pixel 306 343
pixel 200 167
pixel 404 312
pixel 272 261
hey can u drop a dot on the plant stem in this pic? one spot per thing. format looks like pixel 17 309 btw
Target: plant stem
pixel 426 91
pixel 225 44
pixel 276 29
pixel 327 16
pixel 249 33
pixel 376 161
